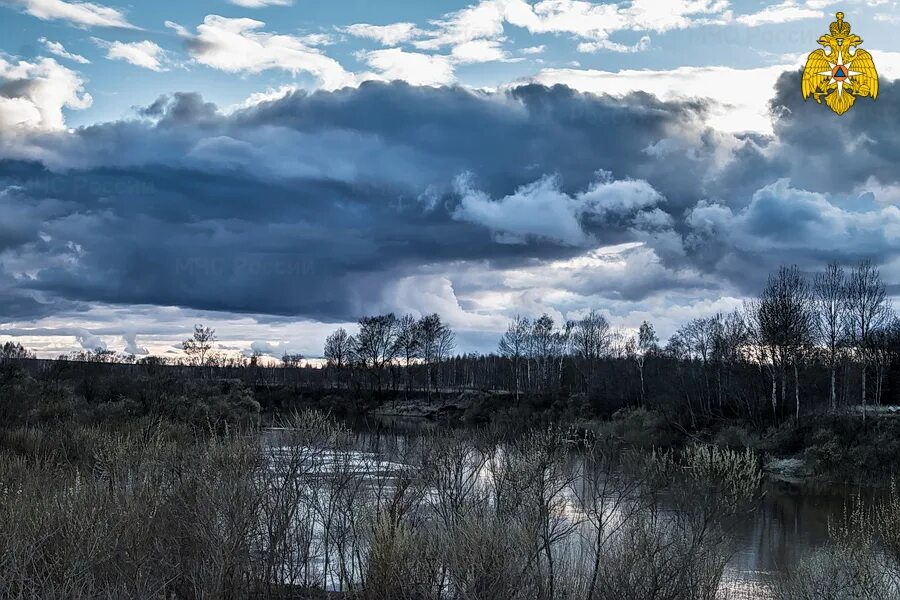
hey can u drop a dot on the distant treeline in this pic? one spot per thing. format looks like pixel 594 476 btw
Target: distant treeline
pixel 804 345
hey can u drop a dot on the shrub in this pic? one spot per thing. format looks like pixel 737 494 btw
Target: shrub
pixel 850 567
pixel 639 427
pixel 736 475
pixel 736 437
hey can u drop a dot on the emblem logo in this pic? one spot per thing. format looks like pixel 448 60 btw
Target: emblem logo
pixel 840 72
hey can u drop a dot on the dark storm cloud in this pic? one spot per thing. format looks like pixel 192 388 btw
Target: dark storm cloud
pixel 803 196
pixel 505 140
pixel 836 154
pixel 819 151
pixel 296 206
pixel 310 205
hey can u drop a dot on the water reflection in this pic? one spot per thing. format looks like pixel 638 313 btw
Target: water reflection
pixel 790 522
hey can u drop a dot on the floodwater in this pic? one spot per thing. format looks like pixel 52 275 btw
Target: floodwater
pixel 791 521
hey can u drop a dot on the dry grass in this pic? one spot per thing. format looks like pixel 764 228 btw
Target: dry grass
pixel 150 511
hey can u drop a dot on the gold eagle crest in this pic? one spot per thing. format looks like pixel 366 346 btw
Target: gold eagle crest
pixel 840 72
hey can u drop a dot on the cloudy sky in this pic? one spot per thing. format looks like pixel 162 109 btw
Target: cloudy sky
pixel 278 168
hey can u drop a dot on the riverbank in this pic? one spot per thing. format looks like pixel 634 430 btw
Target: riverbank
pixel 843 447
pixel 825 448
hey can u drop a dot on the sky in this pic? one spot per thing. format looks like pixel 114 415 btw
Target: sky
pixel 276 169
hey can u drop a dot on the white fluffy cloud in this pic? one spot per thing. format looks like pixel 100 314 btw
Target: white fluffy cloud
pixel 478 51
pixel 89 341
pixel 542 210
pixel 537 210
pixel 36 94
pixel 132 346
pixel 741 96
pixel 534 49
pixel 144 54
pixel 474 34
pixel 424 294
pixel 887 18
pixel 82 14
pixel 413 67
pixel 60 51
pixel 261 3
pixel 780 13
pixel 641 45
pixel 269 95
pixel 238 46
pixel 387 35
pixel 815 223
pixel 616 278
pixel 484 20
pixel 881 193
pixel 587 20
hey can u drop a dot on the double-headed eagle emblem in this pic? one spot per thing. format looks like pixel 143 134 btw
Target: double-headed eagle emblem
pixel 840 72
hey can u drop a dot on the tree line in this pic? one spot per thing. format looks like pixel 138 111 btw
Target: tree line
pixel 822 342
pixel 389 350
pixel 807 343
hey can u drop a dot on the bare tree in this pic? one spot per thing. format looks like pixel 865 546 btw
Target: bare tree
pixel 543 347
pixel 697 339
pixel 438 341
pixel 446 344
pixel 291 361
pixel 699 336
pixel 883 350
pixel 830 317
pixel 198 346
pixel 338 350
pixel 618 342
pixel 763 347
pixel 784 321
pixel 513 345
pixel 13 350
pixel 867 312
pixel 409 345
pixel 640 347
pixel 376 345
pixel 732 337
pixel 591 338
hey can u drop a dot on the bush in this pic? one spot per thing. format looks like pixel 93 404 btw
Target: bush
pixel 639 428
pixel 736 437
pixel 118 411
pixel 214 409
pixel 851 566
pixel 736 475
pixel 825 451
pixel 836 574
